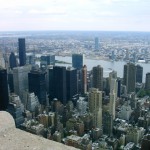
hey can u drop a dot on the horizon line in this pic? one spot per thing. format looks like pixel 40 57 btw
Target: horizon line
pixel 73 30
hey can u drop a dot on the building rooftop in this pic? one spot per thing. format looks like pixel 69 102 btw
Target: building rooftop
pixel 16 139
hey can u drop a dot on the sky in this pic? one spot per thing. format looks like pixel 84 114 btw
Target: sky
pixel 101 15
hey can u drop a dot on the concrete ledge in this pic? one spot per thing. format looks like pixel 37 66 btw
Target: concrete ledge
pixel 6 122
pixel 15 139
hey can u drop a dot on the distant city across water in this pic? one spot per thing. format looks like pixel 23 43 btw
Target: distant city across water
pixel 108 66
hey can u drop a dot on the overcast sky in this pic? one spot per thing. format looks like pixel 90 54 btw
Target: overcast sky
pixel 105 15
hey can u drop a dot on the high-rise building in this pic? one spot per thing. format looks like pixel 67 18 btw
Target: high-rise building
pixel 2 61
pixel 30 59
pixel 51 82
pixel 71 82
pixel 77 61
pixel 37 84
pixel 119 87
pixel 129 77
pixel 47 60
pixel 31 101
pixel 147 82
pixel 98 77
pixel 112 104
pixel 4 100
pixel 12 60
pixel 84 80
pixel 22 51
pixel 15 108
pixel 139 73
pixel 96 44
pixel 107 123
pixel 10 82
pixel 95 106
pixel 112 77
pixel 59 83
pixel 20 79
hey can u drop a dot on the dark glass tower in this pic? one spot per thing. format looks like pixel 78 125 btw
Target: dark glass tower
pixel 71 82
pixel 4 100
pixel 47 60
pixel 22 51
pixel 77 61
pixel 11 82
pixel 98 77
pixel 119 87
pixel 139 73
pixel 147 82
pixel 129 77
pixel 37 84
pixel 12 60
pixel 57 83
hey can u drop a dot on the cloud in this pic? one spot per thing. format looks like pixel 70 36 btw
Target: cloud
pixel 51 11
pixel 106 13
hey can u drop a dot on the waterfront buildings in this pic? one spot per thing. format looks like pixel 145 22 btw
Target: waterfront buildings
pixel 47 60
pixel 77 61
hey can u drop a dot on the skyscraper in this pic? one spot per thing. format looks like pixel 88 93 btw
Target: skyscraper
pixel 71 82
pixel 20 79
pixel 37 84
pixel 107 123
pixel 22 51
pixel 47 60
pixel 147 82
pixel 59 83
pixel 77 61
pixel 4 100
pixel 112 104
pixel 12 60
pixel 84 80
pixel 98 77
pixel 96 44
pixel 129 77
pixel 139 73
pixel 95 106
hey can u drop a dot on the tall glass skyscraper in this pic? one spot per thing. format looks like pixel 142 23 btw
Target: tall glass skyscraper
pixel 129 77
pixel 37 84
pixel 71 82
pixel 4 100
pixel 12 60
pixel 22 51
pixel 98 77
pixel 59 83
pixel 77 61
pixel 147 82
pixel 139 73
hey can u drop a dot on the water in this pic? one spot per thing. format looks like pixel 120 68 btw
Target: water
pixel 108 66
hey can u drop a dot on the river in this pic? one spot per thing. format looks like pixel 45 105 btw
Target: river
pixel 108 66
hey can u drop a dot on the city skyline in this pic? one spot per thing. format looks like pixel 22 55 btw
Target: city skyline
pixel 102 15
